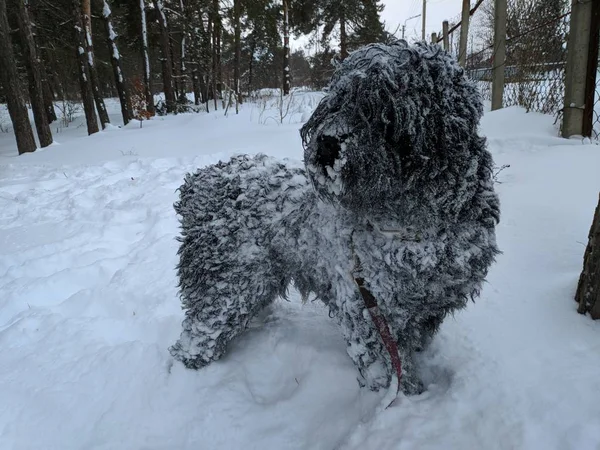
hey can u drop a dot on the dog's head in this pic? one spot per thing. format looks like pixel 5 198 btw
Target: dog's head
pixel 396 133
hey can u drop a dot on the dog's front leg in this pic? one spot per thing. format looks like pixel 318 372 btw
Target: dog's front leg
pixel 365 347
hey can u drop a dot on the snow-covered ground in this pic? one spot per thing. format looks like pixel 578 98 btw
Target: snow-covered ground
pixel 89 307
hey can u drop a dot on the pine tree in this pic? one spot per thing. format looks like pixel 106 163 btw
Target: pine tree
pixel 238 52
pixel 12 88
pixel 93 74
pixel 263 39
pixel 215 22
pixel 369 28
pixel 356 21
pixel 115 59
pixel 87 94
pixel 286 48
pixel 197 48
pixel 167 64
pixel 146 58
pixel 34 70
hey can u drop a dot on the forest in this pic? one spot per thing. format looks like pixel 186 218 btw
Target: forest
pixel 220 50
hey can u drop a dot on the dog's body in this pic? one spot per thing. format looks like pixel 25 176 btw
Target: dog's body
pixel 384 197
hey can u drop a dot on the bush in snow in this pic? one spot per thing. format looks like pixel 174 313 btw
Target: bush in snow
pixel 391 221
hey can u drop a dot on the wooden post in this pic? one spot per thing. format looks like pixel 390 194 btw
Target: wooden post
pixel 499 59
pixel 434 38
pixel 576 70
pixel 445 35
pixel 592 70
pixel 464 33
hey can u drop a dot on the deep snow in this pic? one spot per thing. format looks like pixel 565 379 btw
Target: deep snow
pixel 89 307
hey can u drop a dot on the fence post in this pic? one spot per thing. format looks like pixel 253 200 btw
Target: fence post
pixel 576 70
pixel 592 70
pixel 423 19
pixel 445 35
pixel 433 38
pixel 464 33
pixel 499 55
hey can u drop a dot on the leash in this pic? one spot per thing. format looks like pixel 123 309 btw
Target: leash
pixel 382 327
pixel 378 319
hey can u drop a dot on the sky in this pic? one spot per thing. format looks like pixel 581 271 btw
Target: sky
pixel 397 11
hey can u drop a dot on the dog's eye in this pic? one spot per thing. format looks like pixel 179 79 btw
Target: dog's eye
pixel 329 151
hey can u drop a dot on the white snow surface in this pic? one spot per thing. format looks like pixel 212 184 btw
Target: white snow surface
pixel 89 307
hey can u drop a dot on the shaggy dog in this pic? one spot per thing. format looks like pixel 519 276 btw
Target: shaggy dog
pixel 395 201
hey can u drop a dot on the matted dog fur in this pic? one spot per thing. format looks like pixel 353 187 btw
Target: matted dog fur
pixel 396 188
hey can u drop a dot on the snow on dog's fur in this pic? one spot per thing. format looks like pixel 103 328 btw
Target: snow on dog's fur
pixel 397 189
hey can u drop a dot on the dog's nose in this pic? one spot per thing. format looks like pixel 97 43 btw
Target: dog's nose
pixel 329 151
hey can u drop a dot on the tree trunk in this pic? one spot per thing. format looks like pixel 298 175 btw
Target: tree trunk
pixel 588 289
pixel 204 57
pixel 195 62
pixel 196 51
pixel 183 48
pixel 167 65
pixel 343 37
pixel 175 70
pixel 55 86
pixel 251 66
pixel 146 60
pixel 89 50
pixel 238 53
pixel 213 71
pixel 219 66
pixel 87 96
pixel 286 49
pixel 42 56
pixel 115 59
pixel 196 87
pixel 217 72
pixel 34 71
pixel 12 89
pixel 48 98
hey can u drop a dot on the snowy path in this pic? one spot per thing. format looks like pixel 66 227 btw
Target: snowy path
pixel 88 308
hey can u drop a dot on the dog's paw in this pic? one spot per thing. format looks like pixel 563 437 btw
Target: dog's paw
pixel 411 386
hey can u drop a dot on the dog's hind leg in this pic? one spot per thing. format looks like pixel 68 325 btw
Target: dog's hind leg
pixel 221 314
pixel 228 271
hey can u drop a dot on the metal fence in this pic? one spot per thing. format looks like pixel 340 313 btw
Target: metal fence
pixel 536 54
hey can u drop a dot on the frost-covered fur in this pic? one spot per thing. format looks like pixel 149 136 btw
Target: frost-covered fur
pixel 397 189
